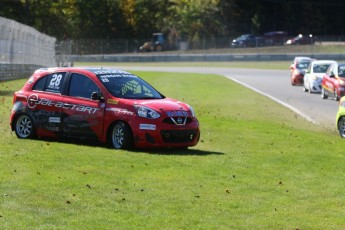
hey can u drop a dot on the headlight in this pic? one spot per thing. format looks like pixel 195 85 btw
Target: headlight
pixel 341 82
pixel 297 72
pixel 191 110
pixel 288 42
pixel 146 112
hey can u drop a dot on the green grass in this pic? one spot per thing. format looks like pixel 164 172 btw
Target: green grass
pixel 257 166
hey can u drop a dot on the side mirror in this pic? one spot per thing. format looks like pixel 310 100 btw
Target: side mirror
pixel 96 96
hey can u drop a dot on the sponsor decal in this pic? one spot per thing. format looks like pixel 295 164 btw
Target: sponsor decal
pixel 179 113
pixel 120 111
pixel 112 101
pixel 54 119
pixel 33 101
pixel 147 127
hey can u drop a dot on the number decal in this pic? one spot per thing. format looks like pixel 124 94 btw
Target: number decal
pixel 56 80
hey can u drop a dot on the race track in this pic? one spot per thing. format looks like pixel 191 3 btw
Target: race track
pixel 274 84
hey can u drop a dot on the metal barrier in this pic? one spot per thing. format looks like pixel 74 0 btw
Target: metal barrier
pixel 192 57
pixel 23 49
pixel 16 71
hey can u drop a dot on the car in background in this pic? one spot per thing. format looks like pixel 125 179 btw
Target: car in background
pixel 103 104
pixel 298 68
pixel 275 38
pixel 333 82
pixel 314 74
pixel 247 40
pixel 301 40
pixel 340 117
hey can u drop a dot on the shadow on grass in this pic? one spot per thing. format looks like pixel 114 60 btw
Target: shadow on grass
pixel 178 151
pixel 153 151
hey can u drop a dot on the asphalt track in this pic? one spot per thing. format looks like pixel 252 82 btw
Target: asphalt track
pixel 274 84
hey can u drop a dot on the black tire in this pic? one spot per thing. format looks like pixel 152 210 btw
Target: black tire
pixel 305 89
pixel 24 127
pixel 341 127
pixel 336 97
pixel 323 93
pixel 121 136
pixel 159 48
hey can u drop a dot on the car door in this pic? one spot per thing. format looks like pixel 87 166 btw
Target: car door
pixel 82 116
pixel 45 103
pixel 308 74
pixel 328 81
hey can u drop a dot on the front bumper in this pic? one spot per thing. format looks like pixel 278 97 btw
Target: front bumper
pixel 165 135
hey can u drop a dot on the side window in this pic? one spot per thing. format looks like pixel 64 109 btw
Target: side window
pixel 82 86
pixel 39 86
pixel 50 83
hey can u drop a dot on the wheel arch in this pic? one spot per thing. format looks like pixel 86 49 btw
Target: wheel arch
pixel 338 120
pixel 34 125
pixel 110 127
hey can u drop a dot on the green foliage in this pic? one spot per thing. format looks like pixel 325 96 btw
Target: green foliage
pixel 192 19
pixel 199 15
pixel 257 166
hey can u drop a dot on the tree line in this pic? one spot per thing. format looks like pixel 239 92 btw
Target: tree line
pixel 190 19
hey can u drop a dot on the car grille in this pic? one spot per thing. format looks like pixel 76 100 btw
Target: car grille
pixel 177 120
pixel 178 136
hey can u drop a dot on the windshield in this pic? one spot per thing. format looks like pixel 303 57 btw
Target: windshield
pixel 341 70
pixel 303 65
pixel 126 85
pixel 243 37
pixel 320 68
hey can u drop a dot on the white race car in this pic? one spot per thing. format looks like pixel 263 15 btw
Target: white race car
pixel 313 75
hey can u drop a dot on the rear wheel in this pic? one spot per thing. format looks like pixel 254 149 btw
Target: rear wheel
pixel 121 136
pixel 323 93
pixel 341 127
pixel 24 127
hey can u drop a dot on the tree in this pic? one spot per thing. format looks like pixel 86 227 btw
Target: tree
pixel 194 19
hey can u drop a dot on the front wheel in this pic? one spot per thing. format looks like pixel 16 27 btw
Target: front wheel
pixel 24 127
pixel 341 127
pixel 336 97
pixel 121 136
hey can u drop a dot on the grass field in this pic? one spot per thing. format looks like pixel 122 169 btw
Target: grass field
pixel 257 166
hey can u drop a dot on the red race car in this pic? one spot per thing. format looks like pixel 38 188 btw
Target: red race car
pixel 333 82
pixel 298 68
pixel 101 104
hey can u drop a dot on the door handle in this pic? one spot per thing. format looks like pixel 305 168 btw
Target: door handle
pixel 67 105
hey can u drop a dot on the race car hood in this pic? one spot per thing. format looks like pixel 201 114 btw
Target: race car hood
pixel 166 104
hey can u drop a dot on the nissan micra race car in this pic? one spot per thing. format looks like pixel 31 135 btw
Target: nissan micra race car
pixel 102 104
pixel 340 118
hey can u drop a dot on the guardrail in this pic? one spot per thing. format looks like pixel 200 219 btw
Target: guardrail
pixel 191 57
pixel 16 71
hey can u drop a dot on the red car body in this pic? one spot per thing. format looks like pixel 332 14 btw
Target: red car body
pixel 298 68
pixel 101 104
pixel 333 82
